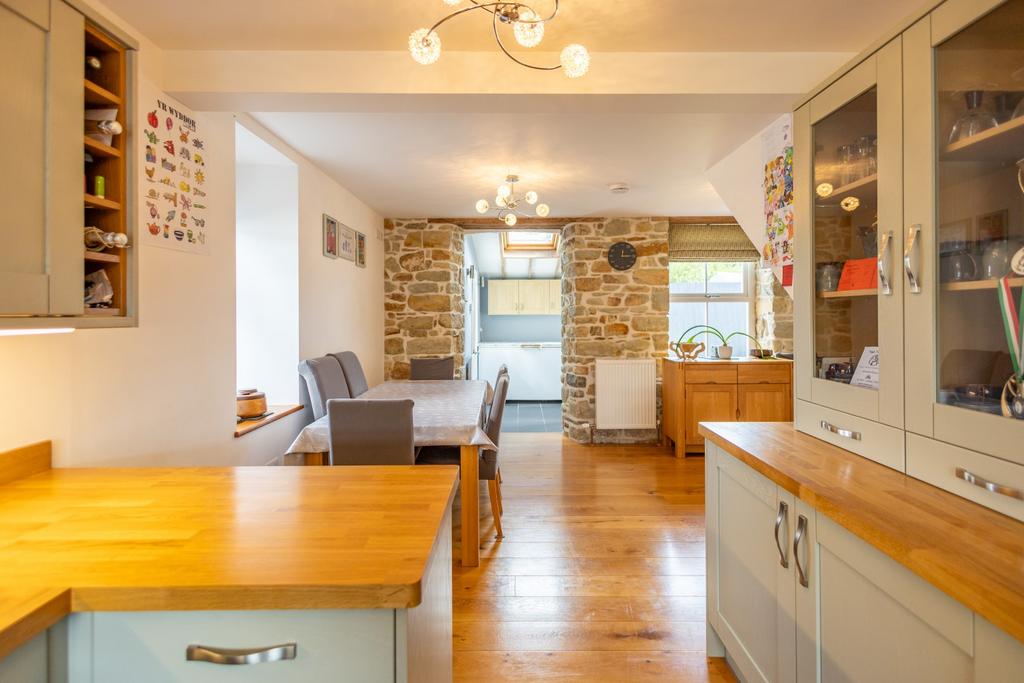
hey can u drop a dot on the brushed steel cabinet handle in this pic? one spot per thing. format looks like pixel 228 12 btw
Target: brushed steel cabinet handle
pixel 884 283
pixel 990 486
pixel 801 529
pixel 913 232
pixel 840 431
pixel 231 656
pixel 783 558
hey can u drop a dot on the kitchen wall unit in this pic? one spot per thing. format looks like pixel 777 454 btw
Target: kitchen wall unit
pixel 793 596
pixel 43 106
pixel 744 390
pixel 524 297
pixel 939 211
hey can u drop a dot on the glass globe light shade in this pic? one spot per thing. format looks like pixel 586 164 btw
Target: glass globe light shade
pixel 425 46
pixel 850 204
pixel 575 60
pixel 482 206
pixel 500 201
pixel 529 31
pixel 531 197
pixel 543 210
pixel 452 3
pixel 824 190
pixel 510 219
pixel 504 190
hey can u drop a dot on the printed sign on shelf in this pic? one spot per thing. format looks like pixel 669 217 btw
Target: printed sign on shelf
pixel 173 184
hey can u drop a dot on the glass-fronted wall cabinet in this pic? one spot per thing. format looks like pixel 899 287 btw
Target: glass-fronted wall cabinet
pixel 847 166
pixel 965 226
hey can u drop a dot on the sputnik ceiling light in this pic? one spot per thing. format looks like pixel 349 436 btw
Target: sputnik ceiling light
pixel 527 27
pixel 507 202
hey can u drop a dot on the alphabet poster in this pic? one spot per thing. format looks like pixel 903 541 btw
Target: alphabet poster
pixel 173 183
pixel 777 153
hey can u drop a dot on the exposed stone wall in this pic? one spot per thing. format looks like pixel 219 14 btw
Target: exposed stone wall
pixel 833 241
pixel 423 298
pixel 610 314
pixel 773 312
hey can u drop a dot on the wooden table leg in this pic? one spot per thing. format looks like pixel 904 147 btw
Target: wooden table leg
pixel 469 492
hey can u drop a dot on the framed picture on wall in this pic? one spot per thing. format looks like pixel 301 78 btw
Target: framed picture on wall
pixel 360 250
pixel 330 237
pixel 346 242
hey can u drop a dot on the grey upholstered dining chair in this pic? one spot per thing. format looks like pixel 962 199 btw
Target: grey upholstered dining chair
pixel 489 469
pixel 432 368
pixel 324 380
pixel 503 370
pixel 354 374
pixel 371 431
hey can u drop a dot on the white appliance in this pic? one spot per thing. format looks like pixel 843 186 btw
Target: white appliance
pixel 535 369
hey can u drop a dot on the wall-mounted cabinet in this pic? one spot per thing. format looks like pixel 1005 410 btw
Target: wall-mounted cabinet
pixel 524 297
pixel 69 70
pixel 939 212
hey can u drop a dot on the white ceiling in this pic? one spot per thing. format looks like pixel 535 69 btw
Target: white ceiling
pixel 491 262
pixel 439 164
pixel 602 25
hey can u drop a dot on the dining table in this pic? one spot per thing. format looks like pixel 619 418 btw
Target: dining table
pixel 444 413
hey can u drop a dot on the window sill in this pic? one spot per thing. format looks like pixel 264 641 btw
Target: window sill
pixel 276 413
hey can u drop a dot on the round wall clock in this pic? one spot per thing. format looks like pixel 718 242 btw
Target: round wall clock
pixel 622 256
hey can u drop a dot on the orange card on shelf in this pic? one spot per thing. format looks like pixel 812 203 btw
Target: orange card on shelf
pixel 859 273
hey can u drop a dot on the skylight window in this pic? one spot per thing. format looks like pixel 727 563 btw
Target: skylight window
pixel 529 240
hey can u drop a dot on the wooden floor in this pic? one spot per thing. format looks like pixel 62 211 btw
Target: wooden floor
pixel 600 576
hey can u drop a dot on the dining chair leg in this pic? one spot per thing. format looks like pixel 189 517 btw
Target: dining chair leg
pixel 495 496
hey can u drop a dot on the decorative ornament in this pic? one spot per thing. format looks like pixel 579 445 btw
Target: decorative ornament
pixel 528 27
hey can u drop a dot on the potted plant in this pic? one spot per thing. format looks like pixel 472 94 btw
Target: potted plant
pixel 724 350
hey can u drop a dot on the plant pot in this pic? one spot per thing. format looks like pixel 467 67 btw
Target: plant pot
pixel 723 352
pixel 689 350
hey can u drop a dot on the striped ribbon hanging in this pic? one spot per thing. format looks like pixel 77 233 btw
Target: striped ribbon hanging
pixel 1013 325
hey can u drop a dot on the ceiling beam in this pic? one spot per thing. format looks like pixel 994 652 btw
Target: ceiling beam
pixel 491 224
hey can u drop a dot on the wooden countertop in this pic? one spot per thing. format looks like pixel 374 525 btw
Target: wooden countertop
pixel 215 538
pixel 971 553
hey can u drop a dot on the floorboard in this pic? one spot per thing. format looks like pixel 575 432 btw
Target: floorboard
pixel 600 576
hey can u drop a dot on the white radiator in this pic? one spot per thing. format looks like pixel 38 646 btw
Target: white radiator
pixel 627 394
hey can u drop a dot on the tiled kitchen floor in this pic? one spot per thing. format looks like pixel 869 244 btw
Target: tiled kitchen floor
pixel 532 416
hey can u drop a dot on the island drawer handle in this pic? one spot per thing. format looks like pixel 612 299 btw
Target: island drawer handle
pixel 801 529
pixel 839 431
pixel 255 655
pixel 990 486
pixel 783 510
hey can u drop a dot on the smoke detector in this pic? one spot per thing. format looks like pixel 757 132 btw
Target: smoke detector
pixel 618 188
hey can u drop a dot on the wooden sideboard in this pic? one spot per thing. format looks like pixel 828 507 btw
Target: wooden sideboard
pixel 738 390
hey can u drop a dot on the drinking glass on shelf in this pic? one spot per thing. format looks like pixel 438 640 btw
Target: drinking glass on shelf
pixel 862 151
pixel 975 121
pixel 846 170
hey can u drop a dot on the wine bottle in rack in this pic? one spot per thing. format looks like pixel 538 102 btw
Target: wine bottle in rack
pixel 103 127
pixel 93 63
pixel 98 240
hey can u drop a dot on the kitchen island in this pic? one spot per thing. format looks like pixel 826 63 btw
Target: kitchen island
pixel 130 569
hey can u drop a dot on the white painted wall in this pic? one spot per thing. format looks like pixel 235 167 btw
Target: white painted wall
pixel 267 273
pixel 163 393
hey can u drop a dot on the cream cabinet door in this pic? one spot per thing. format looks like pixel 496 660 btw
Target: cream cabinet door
pixel 533 297
pixel 41 266
pixel 750 578
pixel 502 297
pixel 848 175
pixel 960 189
pixel 862 617
pixel 554 297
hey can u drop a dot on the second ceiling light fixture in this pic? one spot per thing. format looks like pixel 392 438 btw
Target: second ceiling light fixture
pixel 527 27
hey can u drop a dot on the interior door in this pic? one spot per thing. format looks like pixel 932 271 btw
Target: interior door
pixel 965 208
pixel 502 297
pixel 533 297
pixel 708 403
pixel 848 167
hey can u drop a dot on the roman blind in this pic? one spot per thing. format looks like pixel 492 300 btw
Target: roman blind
pixel 710 242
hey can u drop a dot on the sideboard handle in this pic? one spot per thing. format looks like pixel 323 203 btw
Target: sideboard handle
pixel 783 559
pixel 991 486
pixel 225 655
pixel 839 431
pixel 801 529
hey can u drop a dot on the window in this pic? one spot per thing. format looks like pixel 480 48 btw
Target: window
pixel 716 293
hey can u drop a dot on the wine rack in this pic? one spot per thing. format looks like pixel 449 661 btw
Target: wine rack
pixel 105 87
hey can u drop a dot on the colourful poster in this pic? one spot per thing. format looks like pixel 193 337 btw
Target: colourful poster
pixel 777 152
pixel 173 184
